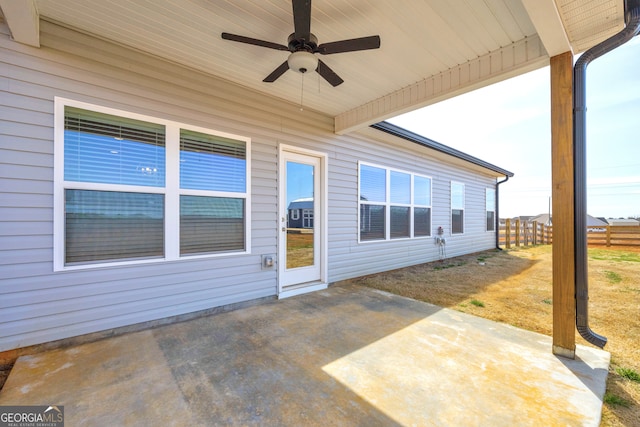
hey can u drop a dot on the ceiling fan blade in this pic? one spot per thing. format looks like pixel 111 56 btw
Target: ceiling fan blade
pixel 350 45
pixel 277 73
pixel 328 74
pixel 302 19
pixel 255 42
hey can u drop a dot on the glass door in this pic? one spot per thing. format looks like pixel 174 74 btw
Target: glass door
pixel 300 230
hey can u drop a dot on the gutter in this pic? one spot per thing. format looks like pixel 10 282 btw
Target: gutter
pixel 506 178
pixel 632 28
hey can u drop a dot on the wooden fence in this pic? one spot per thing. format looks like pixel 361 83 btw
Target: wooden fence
pixel 515 233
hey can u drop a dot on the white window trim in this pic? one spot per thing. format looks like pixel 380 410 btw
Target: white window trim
pixel 171 190
pixel 387 205
pixel 464 217
pixel 295 214
pixel 490 210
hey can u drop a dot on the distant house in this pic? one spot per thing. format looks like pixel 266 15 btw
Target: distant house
pixel 300 213
pixel 548 220
pixel 623 222
pixel 542 219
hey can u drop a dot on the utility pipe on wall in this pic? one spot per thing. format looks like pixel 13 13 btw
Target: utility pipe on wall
pixel 632 28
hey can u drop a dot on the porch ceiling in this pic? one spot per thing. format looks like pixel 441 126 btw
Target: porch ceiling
pixel 431 49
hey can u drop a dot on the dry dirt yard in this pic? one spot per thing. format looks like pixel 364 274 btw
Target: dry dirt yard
pixel 514 287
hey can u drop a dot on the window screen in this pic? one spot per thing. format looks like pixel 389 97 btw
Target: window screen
pixel 106 225
pixel 211 224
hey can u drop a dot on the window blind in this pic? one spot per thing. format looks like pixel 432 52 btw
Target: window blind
pixel 104 225
pixel 209 162
pixel 211 224
pixel 101 148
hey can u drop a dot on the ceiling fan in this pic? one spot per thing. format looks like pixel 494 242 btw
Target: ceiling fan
pixel 303 46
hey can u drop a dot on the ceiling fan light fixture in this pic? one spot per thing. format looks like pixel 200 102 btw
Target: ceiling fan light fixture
pixel 302 61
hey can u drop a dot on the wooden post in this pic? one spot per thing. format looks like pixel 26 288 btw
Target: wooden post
pixel 542 235
pixel 608 235
pixel 562 171
pixel 535 232
pixel 507 233
pixel 517 232
pixel 545 235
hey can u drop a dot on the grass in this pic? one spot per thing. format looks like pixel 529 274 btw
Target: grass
pixel 514 287
pixel 629 374
pixel 613 400
pixel 614 255
pixel 299 249
pixel 612 276
pixel 451 265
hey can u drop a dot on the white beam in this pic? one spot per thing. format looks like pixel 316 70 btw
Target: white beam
pixel 546 18
pixel 23 20
pixel 522 56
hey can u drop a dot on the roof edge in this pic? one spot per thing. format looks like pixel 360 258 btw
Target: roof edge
pixel 429 143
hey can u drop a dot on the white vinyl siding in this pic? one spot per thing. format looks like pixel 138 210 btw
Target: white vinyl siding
pixel 39 304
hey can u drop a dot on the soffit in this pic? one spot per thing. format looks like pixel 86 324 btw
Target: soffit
pixel 430 49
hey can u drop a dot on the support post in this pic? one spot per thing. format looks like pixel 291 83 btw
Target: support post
pixel 562 171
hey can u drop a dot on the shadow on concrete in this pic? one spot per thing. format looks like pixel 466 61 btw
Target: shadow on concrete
pixel 586 373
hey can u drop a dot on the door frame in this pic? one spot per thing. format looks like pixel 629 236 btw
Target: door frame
pixel 320 219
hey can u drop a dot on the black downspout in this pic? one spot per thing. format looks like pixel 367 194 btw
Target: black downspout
pixel 506 178
pixel 632 20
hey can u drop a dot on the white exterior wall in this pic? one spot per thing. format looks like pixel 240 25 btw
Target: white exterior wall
pixel 39 305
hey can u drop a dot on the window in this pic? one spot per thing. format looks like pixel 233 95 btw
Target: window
pixel 211 167
pixel 307 218
pixel 490 201
pixel 132 188
pixel 373 199
pixel 295 214
pixel 422 206
pixel 457 208
pixel 393 204
pixel 400 196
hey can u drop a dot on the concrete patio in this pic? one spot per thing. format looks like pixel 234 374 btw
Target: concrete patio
pixel 345 356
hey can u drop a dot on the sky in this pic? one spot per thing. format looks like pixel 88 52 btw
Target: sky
pixel 508 124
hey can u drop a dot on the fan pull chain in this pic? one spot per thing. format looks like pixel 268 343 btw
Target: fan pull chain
pixel 302 93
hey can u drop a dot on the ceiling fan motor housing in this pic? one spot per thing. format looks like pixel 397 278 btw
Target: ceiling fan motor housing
pixel 296 44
